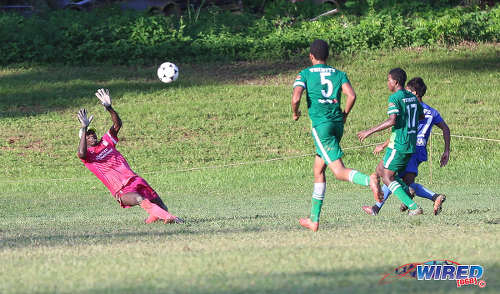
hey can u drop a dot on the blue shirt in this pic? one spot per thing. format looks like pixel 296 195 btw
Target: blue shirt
pixel 432 117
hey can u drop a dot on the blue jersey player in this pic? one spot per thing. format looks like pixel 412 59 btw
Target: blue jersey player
pixel 432 117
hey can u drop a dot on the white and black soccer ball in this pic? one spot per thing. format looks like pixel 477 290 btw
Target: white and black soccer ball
pixel 168 72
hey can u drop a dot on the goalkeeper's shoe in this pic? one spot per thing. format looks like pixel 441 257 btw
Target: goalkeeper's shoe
pixel 309 224
pixel 178 220
pixel 438 203
pixel 415 211
pixel 174 219
pixel 155 210
pixel 371 210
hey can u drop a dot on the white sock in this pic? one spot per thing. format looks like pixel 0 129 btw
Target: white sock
pixel 319 191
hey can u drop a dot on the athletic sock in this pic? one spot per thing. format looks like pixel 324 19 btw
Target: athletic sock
pixel 397 190
pixel 359 178
pixel 387 192
pixel 405 187
pixel 155 210
pixel 421 191
pixel 317 201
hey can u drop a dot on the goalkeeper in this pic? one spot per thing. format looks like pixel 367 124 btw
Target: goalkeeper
pixel 111 168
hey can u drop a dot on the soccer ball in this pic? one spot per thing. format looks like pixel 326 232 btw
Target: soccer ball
pixel 168 72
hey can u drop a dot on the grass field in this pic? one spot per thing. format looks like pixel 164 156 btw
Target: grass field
pixel 207 144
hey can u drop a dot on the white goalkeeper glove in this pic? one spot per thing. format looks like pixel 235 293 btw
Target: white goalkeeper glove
pixel 82 117
pixel 103 95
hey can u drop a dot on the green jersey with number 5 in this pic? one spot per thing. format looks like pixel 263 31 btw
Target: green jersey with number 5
pixel 408 110
pixel 323 84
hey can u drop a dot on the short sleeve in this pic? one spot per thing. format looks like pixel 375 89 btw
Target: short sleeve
pixel 344 79
pixel 110 139
pixel 392 108
pixel 436 117
pixel 300 80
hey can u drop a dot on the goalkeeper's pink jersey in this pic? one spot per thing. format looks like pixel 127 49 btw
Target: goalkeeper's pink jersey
pixel 108 164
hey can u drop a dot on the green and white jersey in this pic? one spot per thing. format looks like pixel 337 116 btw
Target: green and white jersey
pixel 323 84
pixel 408 110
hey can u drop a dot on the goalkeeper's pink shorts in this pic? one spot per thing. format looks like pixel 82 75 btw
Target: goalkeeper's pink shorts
pixel 136 185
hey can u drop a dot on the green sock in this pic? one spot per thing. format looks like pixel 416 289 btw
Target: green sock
pixel 359 178
pixel 316 208
pixel 397 190
pixel 405 187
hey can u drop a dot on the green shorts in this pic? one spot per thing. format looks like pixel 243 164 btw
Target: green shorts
pixel 327 141
pixel 395 160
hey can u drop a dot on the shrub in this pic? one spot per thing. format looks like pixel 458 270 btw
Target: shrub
pixel 116 37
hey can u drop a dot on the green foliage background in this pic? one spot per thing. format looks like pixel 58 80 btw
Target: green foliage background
pixel 280 32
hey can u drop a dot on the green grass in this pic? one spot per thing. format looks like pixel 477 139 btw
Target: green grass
pixel 202 143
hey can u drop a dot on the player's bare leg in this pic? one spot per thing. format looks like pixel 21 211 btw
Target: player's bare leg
pixel 347 174
pixel 375 187
pixel 339 170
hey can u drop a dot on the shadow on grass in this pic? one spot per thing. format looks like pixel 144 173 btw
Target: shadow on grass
pixel 46 89
pixel 363 280
pixel 216 219
pixel 143 230
pixel 32 93
pixel 466 63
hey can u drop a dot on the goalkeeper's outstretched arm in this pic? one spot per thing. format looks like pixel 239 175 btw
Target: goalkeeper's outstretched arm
pixel 117 122
pixel 105 98
pixel 85 122
pixel 82 147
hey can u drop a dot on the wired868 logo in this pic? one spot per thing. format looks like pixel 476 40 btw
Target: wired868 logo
pixel 441 270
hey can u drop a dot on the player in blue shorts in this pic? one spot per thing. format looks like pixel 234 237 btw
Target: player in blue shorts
pixel 432 117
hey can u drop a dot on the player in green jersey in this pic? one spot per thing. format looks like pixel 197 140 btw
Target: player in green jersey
pixel 404 112
pixel 324 85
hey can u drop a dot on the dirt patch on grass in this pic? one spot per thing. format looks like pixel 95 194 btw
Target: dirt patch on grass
pixel 22 143
pixel 35 146
pixel 13 140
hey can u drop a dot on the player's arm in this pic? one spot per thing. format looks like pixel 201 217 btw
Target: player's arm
pixel 391 121
pixel 446 137
pixel 296 96
pixel 85 122
pixel 381 147
pixel 82 147
pixel 105 98
pixel 117 122
pixel 348 91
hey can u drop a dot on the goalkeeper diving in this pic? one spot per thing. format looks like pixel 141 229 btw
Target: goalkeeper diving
pixel 102 158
